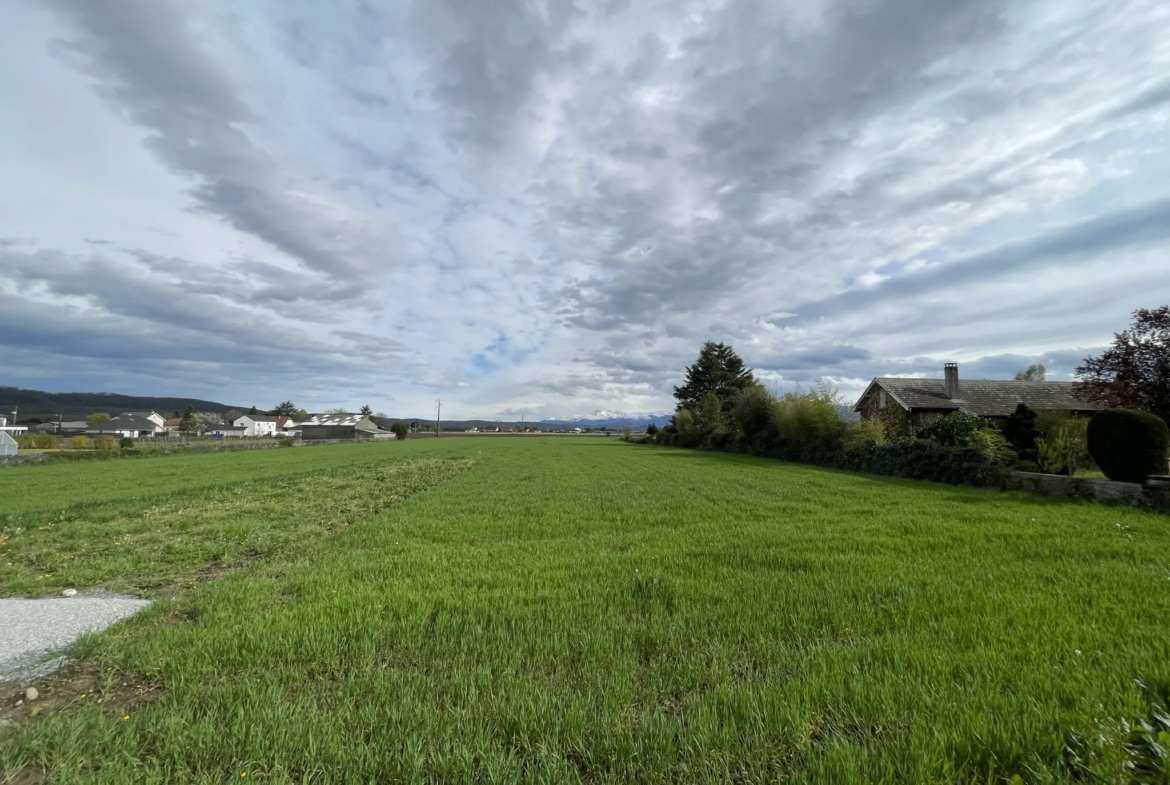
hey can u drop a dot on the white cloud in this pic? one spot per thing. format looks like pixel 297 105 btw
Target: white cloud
pixel 547 207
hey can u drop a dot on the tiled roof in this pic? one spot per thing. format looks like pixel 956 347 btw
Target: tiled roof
pixel 987 398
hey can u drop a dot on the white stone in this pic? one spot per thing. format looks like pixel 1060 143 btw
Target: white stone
pixel 69 592
pixel 31 694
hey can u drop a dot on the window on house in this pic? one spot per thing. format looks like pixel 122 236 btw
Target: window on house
pixel 881 399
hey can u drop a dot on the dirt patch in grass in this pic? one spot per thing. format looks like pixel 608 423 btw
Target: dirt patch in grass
pixel 77 685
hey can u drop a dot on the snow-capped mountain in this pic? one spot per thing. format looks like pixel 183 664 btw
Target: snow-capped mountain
pixel 603 418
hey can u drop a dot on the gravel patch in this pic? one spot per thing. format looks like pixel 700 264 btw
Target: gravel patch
pixel 32 631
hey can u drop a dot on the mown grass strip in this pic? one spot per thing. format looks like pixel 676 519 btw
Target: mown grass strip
pixel 144 547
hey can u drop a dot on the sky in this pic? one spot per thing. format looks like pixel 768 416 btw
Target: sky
pixel 543 208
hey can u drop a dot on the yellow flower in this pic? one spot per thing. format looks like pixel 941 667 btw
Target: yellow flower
pixel 126 717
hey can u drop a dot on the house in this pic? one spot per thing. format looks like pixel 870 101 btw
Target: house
pixel 256 424
pixel 284 424
pixel 154 417
pixel 127 426
pixel 11 429
pixel 341 426
pixel 905 404
pixel 8 445
pixel 173 425
pixel 227 430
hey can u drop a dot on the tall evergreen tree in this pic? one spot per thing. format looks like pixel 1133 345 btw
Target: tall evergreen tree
pixel 366 411
pixel 188 424
pixel 718 370
pixel 284 409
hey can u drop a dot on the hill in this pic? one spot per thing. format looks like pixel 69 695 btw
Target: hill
pixel 75 406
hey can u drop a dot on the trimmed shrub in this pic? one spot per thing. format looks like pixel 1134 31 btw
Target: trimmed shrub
pixel 1022 432
pixel 400 430
pixel 127 442
pixel 106 442
pixel 1128 445
pixel 79 442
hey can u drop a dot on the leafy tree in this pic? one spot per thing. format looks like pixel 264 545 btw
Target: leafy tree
pixel 1134 373
pixel 96 418
pixel 205 421
pixel 366 411
pixel 1021 432
pixel 338 410
pixel 253 410
pixel 284 409
pixel 651 430
pixel 232 415
pixel 718 370
pixel 1033 373
pixel 400 430
pixel 300 414
pixel 188 424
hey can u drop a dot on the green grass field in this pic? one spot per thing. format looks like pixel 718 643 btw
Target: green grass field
pixel 584 610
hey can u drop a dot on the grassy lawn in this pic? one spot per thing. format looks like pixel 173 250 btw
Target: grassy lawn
pixel 559 610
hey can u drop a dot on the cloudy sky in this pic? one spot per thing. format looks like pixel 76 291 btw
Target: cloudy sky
pixel 544 207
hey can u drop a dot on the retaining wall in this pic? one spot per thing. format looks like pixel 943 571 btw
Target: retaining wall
pixel 1152 494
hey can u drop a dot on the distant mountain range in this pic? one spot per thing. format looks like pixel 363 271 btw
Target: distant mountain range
pixel 35 404
pixel 605 419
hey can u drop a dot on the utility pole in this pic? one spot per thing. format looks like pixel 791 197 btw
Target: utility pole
pixel 438 418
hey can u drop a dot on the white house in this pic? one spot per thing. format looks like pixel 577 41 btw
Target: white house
pixel 154 417
pixel 256 425
pixel 11 429
pixel 127 425
pixel 8 445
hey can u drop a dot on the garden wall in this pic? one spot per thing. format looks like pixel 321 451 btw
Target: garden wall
pixel 1105 491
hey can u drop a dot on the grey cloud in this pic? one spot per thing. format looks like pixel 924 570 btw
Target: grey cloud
pixel 152 65
pixel 1148 223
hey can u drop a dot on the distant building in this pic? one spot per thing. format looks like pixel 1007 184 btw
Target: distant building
pixel 341 426
pixel 8 445
pixel 127 426
pixel 11 429
pixel 905 403
pixel 227 430
pixel 256 424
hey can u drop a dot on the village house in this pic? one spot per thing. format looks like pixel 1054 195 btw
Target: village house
pixel 256 424
pixel 904 404
pixel 129 425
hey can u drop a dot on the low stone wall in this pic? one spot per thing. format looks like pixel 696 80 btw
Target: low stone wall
pixel 18 458
pixel 1152 494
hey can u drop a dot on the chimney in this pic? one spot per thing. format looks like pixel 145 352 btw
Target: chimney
pixel 951 376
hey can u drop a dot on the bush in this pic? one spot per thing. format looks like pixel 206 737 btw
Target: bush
pixel 992 445
pixel 955 429
pixel 811 419
pixel 867 432
pixel 106 442
pixel 752 411
pixel 400 430
pixel 1128 445
pixel 651 430
pixel 79 442
pixel 126 443
pixel 1022 432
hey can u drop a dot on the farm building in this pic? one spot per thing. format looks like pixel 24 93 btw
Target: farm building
pixel 8 445
pixel 903 403
pixel 341 426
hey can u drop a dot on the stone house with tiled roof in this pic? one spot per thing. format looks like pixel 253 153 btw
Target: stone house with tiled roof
pixel 903 404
